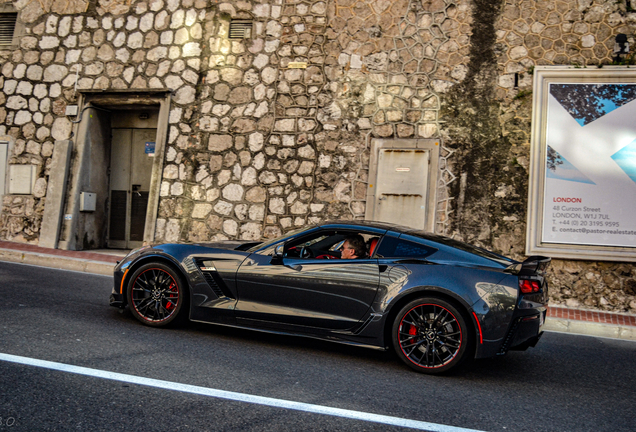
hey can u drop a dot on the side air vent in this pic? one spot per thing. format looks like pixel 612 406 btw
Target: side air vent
pixel 190 265
pixel 212 283
pixel 213 279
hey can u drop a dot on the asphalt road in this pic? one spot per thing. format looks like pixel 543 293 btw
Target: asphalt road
pixel 566 383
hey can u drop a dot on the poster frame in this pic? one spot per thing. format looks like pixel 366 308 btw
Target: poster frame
pixel 543 76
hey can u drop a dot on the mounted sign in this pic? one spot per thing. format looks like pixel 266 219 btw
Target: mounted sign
pixel 583 169
pixel 150 148
pixel 297 65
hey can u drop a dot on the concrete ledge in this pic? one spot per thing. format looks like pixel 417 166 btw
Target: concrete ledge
pixel 588 328
pixel 65 263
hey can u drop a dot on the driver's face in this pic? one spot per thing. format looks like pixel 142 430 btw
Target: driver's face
pixel 347 251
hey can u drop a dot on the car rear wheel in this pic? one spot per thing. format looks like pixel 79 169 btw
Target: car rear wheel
pixel 430 335
pixel 157 295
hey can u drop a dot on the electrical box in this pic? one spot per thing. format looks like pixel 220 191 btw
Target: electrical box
pixel 87 201
pixel 71 110
pixel 21 179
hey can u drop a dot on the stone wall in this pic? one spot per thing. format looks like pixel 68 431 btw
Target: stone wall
pixel 257 146
pixel 488 127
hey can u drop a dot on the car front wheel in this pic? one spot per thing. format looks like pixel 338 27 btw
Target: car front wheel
pixel 157 294
pixel 430 335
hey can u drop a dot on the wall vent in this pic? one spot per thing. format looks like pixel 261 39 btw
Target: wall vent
pixel 7 27
pixel 240 29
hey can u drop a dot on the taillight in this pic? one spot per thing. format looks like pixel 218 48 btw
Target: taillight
pixel 529 286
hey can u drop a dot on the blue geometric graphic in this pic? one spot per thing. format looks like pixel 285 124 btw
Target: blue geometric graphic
pixel 589 102
pixel 561 169
pixel 626 159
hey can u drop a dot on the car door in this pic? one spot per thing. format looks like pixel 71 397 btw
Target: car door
pixel 332 294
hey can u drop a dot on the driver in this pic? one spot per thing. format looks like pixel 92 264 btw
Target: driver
pixel 353 247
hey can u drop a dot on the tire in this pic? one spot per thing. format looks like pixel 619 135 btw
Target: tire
pixel 157 295
pixel 431 336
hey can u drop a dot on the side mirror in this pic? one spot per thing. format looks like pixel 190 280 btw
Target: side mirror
pixel 278 254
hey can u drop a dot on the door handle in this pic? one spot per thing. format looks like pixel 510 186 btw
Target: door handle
pixel 135 189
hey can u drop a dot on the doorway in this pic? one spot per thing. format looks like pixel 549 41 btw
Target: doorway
pixel 132 152
pixel 117 161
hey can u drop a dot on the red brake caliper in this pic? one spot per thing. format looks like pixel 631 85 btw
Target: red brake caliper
pixel 170 305
pixel 412 330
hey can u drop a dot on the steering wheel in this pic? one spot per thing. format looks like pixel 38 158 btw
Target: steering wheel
pixel 305 252
pixel 326 256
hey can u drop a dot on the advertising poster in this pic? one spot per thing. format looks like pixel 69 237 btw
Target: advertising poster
pixel 589 195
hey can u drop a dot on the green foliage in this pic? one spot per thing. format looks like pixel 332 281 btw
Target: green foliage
pixel 628 60
pixel 522 94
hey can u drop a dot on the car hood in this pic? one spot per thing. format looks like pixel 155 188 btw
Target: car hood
pixel 228 244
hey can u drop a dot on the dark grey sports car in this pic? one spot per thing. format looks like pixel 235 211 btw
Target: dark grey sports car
pixel 435 300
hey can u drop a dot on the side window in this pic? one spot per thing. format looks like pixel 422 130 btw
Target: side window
pixel 330 244
pixel 310 246
pixel 392 247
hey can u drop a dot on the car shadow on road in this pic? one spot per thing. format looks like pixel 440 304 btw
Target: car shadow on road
pixel 567 360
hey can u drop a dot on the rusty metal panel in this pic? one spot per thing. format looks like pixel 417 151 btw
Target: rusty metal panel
pixel 402 185
pixel 4 151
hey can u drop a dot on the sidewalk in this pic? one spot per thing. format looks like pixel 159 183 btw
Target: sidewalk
pixel 560 319
pixel 100 262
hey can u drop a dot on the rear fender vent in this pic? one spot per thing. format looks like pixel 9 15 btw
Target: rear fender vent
pixel 509 337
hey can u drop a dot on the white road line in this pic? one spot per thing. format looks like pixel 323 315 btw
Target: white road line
pixel 239 397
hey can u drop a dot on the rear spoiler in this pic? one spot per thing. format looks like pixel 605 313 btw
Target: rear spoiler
pixel 534 265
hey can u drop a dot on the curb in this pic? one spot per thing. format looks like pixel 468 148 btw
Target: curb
pixel 587 328
pixel 58 262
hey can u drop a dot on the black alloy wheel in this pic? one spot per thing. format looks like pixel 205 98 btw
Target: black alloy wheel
pixel 156 294
pixel 430 335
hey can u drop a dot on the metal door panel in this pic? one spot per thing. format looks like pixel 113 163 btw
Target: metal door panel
pixel 119 187
pixel 130 176
pixel 120 160
pixel 118 205
pixel 138 207
pixel 140 161
pixel 402 185
pixel 4 149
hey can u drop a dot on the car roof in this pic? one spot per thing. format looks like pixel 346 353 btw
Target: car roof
pixel 365 224
pixel 435 240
